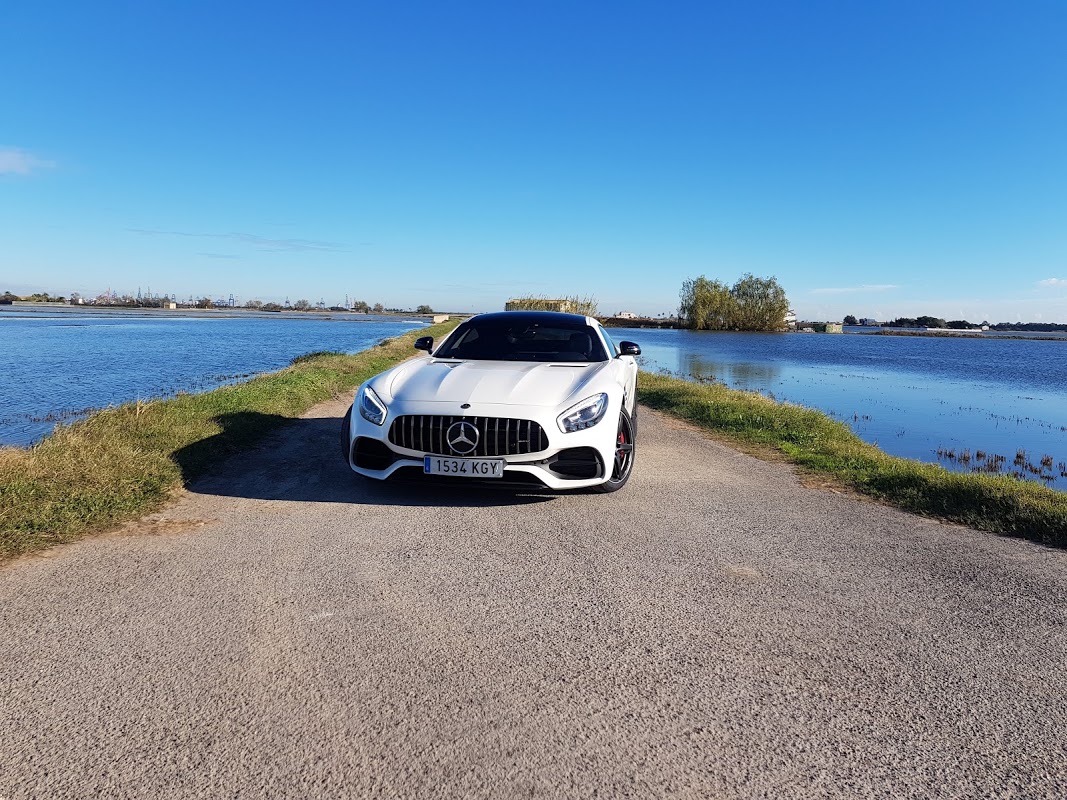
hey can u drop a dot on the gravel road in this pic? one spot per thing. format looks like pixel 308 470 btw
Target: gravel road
pixel 716 630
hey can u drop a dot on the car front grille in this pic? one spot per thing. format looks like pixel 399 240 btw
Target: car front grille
pixel 496 436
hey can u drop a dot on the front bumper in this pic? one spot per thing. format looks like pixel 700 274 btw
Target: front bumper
pixel 569 461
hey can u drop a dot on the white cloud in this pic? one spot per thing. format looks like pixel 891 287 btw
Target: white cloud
pixel 15 161
pixel 1053 282
pixel 878 287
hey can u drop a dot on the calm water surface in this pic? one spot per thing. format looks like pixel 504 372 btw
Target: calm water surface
pixel 926 398
pixel 59 364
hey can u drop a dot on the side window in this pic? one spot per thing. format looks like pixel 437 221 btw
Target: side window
pixel 613 350
pixel 449 347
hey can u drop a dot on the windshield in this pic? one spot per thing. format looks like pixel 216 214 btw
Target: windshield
pixel 496 340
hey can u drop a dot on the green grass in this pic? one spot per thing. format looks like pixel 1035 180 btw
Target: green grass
pixel 122 463
pixel 808 438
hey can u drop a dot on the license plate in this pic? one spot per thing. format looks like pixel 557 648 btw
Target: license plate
pixel 464 467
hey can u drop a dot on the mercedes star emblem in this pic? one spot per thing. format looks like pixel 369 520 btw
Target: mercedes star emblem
pixel 462 437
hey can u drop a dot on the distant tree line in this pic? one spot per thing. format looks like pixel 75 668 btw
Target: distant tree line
pixel 1043 327
pixel 751 304
pixel 964 325
pixel 37 297
pixel 360 306
pixel 158 301
pixel 917 322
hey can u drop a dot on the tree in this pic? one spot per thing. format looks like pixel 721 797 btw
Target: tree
pixel 930 322
pixel 706 305
pixel 254 304
pixel 378 308
pixel 751 304
pixel 302 305
pixel 850 320
pixel 761 303
pixel 424 309
pixel 205 302
pixel 361 307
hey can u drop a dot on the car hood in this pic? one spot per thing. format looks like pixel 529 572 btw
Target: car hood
pixel 503 382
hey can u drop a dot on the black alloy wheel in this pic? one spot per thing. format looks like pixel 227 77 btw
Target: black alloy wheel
pixel 623 463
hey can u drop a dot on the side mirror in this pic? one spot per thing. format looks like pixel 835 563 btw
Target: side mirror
pixel 629 349
pixel 424 343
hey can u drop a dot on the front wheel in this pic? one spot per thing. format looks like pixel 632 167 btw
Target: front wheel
pixel 623 462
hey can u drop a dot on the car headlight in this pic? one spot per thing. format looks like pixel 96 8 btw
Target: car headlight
pixel 584 415
pixel 371 408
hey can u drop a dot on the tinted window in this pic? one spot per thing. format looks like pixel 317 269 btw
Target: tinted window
pixel 499 340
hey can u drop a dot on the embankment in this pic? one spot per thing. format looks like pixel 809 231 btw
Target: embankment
pixel 125 462
pixel 122 463
pixel 830 450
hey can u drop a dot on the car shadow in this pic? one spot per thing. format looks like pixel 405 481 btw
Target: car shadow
pixel 300 460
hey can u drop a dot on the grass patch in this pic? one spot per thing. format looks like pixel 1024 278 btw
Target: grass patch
pixel 806 437
pixel 122 463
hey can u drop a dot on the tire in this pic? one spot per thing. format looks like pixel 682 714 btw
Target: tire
pixel 346 432
pixel 624 456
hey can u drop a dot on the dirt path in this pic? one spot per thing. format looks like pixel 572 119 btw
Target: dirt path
pixel 716 630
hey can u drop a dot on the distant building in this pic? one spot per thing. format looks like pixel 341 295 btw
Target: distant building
pixel 790 318
pixel 828 327
pixel 626 315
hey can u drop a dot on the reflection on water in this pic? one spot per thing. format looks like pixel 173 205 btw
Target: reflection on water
pixel 941 400
pixel 746 376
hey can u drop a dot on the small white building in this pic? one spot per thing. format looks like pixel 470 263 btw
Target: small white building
pixel 626 315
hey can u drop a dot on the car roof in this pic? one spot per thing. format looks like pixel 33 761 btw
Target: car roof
pixel 532 318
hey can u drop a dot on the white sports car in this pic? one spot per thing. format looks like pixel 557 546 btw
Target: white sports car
pixel 534 398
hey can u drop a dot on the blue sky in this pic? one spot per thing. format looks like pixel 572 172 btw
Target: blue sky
pixel 877 158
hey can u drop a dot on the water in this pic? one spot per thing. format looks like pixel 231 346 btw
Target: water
pixel 939 400
pixel 58 364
